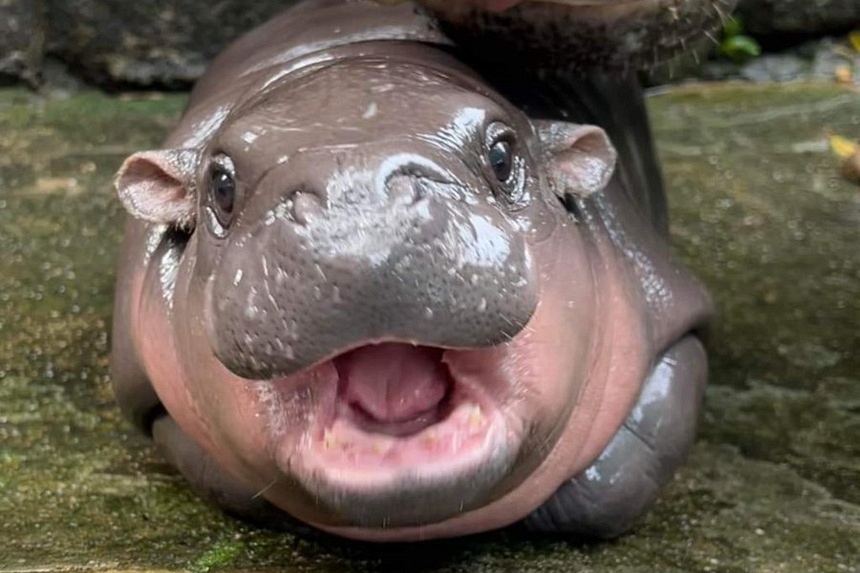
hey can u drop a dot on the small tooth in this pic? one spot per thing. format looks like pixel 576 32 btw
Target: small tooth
pixel 328 440
pixel 476 417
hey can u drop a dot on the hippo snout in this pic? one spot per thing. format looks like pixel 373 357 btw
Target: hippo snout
pixel 327 259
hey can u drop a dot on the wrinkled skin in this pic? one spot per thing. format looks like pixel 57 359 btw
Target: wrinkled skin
pixel 369 289
pixel 606 34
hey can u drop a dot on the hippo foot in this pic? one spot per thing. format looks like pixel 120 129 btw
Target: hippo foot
pixel 606 499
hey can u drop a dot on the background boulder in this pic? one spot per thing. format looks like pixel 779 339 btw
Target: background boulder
pixel 116 43
pixel 21 40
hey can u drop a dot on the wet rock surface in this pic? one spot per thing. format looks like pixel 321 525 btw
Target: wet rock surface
pixel 759 211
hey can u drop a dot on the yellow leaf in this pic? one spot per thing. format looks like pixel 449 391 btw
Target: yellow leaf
pixel 842 147
pixel 844 75
pixel 854 38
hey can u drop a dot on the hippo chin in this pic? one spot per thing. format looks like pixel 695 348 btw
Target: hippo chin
pixel 369 289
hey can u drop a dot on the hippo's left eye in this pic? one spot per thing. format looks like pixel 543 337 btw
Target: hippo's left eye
pixel 501 158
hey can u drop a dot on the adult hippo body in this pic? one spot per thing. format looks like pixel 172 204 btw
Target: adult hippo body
pixel 369 289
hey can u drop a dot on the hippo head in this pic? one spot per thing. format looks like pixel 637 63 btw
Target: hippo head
pixel 384 315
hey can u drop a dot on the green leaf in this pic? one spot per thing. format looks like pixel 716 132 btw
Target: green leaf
pixel 732 27
pixel 740 47
pixel 854 38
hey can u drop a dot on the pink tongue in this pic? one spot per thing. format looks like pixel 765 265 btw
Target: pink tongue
pixel 393 382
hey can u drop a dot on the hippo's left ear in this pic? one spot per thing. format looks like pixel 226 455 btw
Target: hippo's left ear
pixel 580 159
pixel 158 186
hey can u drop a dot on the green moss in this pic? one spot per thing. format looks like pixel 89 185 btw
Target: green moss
pixel 219 556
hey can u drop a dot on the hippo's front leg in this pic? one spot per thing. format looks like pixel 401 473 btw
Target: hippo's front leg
pixel 606 499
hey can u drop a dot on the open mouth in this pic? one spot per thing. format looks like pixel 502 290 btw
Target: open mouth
pixel 400 406
pixel 397 416
pixel 393 390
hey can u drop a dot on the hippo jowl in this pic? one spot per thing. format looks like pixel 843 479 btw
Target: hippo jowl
pixel 371 289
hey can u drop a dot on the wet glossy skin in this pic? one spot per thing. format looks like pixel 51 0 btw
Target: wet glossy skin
pixel 381 332
pixel 352 195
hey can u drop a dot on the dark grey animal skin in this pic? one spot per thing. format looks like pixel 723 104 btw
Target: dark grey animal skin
pixel 606 35
pixel 607 498
pixel 366 226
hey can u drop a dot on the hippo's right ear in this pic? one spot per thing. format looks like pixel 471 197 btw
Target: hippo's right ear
pixel 580 161
pixel 158 186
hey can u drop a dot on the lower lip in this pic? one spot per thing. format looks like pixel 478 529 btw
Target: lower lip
pixel 348 444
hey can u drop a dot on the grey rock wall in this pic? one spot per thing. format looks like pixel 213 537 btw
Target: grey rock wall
pixel 147 42
pixel 143 43
pixel 21 39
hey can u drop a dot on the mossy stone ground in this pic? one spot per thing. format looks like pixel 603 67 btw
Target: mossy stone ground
pixel 759 212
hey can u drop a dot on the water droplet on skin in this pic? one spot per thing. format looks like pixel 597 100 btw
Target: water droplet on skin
pixel 483 305
pixel 428 313
pixel 371 111
pixel 238 278
pixel 317 293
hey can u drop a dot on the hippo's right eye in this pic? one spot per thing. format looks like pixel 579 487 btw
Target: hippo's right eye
pixel 506 167
pixel 222 193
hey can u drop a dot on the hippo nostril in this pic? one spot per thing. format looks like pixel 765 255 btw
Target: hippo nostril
pixel 305 207
pixel 404 189
pixel 411 183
